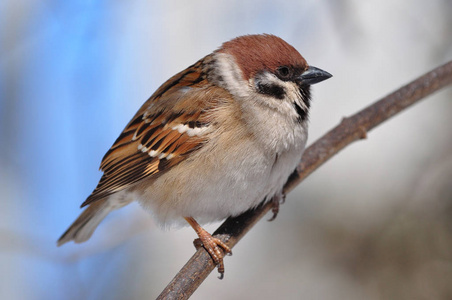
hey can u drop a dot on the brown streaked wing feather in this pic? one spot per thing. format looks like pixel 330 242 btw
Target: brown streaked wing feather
pixel 153 132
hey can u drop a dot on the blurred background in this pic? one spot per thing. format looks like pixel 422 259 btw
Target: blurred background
pixel 375 222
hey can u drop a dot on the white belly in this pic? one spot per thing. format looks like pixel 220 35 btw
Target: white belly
pixel 222 186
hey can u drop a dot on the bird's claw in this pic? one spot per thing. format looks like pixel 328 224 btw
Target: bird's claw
pixel 216 248
pixel 277 200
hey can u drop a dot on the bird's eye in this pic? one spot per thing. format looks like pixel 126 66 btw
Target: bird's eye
pixel 283 72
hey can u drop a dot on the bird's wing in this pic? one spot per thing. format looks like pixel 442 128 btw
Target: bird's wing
pixel 172 124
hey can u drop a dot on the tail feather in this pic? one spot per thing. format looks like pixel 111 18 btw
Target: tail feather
pixel 82 228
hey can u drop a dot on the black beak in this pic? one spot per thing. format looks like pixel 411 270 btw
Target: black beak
pixel 313 75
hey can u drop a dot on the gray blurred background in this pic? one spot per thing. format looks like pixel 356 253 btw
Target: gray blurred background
pixel 375 222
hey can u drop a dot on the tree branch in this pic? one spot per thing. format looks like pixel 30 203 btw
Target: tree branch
pixel 349 130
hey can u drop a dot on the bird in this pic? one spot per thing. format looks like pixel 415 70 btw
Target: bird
pixel 215 140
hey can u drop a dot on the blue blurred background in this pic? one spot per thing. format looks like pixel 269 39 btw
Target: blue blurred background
pixel 373 223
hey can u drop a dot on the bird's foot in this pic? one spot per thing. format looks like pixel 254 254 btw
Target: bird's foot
pixel 216 248
pixel 277 200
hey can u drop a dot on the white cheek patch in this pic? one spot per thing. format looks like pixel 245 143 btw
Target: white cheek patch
pixel 232 77
pixel 294 95
pixel 269 77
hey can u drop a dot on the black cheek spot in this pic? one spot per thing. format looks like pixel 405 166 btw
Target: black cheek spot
pixel 273 90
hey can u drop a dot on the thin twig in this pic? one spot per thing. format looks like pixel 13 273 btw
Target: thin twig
pixel 349 130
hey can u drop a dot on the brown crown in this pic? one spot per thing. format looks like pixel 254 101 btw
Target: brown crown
pixel 259 52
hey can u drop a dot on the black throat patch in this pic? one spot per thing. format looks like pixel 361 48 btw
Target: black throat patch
pixel 305 92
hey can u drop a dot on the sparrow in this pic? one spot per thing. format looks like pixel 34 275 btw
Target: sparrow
pixel 214 141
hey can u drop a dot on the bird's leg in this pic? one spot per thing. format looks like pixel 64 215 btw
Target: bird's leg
pixel 212 245
pixel 277 200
